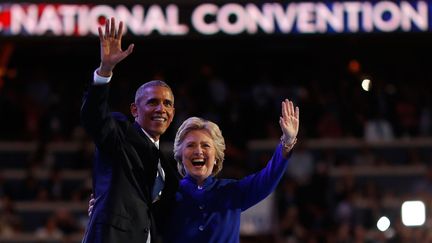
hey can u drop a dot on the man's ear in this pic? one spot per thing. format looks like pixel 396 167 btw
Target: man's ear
pixel 134 110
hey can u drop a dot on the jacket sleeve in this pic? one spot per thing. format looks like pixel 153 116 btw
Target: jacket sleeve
pixel 258 186
pixel 97 119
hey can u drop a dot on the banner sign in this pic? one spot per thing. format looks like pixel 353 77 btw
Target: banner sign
pixel 207 19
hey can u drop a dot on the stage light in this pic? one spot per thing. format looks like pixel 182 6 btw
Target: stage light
pixel 383 223
pixel 366 84
pixel 413 213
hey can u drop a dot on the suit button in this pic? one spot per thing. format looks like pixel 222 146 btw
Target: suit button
pixel 201 228
pixel 201 207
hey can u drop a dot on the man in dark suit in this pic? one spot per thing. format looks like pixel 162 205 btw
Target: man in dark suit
pixel 128 171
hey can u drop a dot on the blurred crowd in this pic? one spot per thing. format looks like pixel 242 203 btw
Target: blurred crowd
pixel 41 106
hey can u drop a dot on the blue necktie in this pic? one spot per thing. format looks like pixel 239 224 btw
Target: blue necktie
pixel 158 184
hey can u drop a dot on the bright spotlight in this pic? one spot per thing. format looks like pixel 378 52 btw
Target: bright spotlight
pixel 366 84
pixel 383 223
pixel 413 213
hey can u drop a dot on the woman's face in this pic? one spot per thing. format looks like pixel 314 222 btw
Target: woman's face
pixel 198 155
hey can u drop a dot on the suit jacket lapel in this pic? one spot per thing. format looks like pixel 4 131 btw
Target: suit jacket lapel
pixel 142 160
pixel 145 149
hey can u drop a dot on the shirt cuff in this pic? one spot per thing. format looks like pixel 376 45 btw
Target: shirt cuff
pixel 99 79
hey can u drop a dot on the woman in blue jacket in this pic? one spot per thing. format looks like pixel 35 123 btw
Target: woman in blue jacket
pixel 207 209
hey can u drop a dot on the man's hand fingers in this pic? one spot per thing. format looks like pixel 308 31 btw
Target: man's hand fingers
pixel 129 49
pixel 120 31
pixel 113 29
pixel 107 29
pixel 101 37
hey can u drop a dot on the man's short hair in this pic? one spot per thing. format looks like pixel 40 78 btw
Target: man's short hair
pixel 140 91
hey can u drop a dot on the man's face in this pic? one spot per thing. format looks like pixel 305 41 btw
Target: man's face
pixel 154 110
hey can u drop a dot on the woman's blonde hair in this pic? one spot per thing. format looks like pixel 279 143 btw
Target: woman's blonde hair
pixel 196 123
